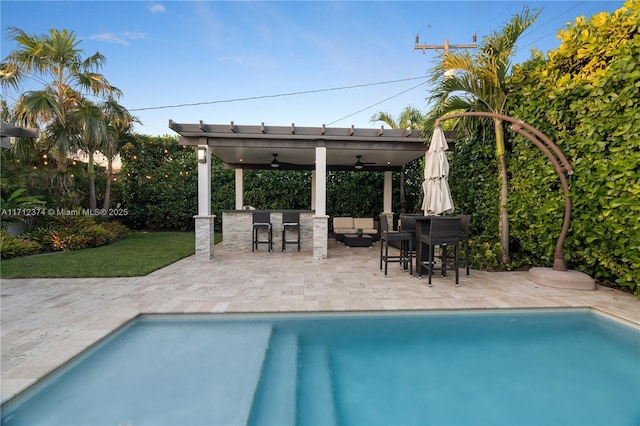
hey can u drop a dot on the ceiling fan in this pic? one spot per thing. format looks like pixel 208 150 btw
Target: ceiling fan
pixel 359 164
pixel 275 163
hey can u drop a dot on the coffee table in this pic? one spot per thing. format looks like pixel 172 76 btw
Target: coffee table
pixel 355 240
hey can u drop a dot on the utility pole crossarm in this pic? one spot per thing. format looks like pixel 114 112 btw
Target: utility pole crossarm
pixel 446 46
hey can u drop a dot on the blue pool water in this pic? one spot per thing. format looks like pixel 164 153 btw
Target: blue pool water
pixel 507 368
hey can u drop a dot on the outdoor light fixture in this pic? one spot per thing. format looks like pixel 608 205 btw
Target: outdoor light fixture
pixel 202 154
pixel 275 163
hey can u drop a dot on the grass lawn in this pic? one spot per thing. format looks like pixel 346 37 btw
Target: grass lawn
pixel 137 254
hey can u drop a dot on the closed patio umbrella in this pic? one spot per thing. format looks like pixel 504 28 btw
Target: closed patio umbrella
pixel 437 196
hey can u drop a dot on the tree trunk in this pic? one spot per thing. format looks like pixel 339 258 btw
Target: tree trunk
pixel 503 231
pixel 107 188
pixel 93 205
pixel 504 214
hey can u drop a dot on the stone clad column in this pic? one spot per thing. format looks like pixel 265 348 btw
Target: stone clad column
pixel 320 219
pixel 205 237
pixel 204 221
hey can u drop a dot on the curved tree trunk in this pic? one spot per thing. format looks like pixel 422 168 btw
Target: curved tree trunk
pixel 503 231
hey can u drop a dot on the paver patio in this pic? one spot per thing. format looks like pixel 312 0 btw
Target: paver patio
pixel 45 322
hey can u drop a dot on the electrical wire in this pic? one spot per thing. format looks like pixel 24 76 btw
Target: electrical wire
pixel 250 98
pixel 377 103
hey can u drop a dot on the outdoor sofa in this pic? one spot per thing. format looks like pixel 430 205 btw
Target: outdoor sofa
pixel 350 225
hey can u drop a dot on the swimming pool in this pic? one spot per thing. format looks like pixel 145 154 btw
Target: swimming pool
pixel 457 368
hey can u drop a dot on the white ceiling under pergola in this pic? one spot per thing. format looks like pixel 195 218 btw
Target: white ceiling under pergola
pixel 252 147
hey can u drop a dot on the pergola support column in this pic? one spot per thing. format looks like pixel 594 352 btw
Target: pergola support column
pixel 388 191
pixel 387 205
pixel 204 221
pixel 320 220
pixel 313 190
pixel 239 189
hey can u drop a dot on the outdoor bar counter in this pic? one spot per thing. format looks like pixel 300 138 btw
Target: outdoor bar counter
pixel 237 231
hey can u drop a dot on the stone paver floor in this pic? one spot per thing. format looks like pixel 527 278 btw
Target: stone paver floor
pixel 45 322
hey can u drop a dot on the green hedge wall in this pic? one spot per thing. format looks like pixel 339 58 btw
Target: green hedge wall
pixel 584 96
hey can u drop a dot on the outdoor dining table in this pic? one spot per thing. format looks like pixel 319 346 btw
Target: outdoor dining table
pixel 423 227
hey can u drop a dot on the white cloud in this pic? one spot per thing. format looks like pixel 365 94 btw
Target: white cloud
pixel 156 8
pixel 133 36
pixel 122 38
pixel 109 38
pixel 235 59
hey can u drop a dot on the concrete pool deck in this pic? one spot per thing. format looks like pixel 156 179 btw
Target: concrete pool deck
pixel 46 322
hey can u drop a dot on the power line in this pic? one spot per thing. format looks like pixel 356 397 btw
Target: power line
pixel 250 98
pixel 556 17
pixel 377 103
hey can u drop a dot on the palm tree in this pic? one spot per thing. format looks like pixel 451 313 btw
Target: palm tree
pixel 54 60
pixel 409 118
pixel 88 122
pixel 479 84
pixel 119 123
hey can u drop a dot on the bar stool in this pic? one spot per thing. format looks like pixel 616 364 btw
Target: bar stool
pixel 262 220
pixel 290 222
pixel 443 232
pixel 406 248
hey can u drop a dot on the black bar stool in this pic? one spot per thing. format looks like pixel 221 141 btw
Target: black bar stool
pixel 443 232
pixel 406 248
pixel 291 223
pixel 262 220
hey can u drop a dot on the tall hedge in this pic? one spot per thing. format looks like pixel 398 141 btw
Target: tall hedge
pixel 584 96
pixel 158 182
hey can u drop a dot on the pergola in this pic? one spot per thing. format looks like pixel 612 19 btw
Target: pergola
pixel 318 149
pixel 8 130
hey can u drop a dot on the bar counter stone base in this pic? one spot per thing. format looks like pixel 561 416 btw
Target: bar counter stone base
pixel 320 236
pixel 205 237
pixel 237 231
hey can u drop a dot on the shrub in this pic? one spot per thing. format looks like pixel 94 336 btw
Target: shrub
pixel 13 246
pixel 72 232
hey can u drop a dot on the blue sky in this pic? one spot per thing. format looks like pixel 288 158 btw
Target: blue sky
pixel 164 53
